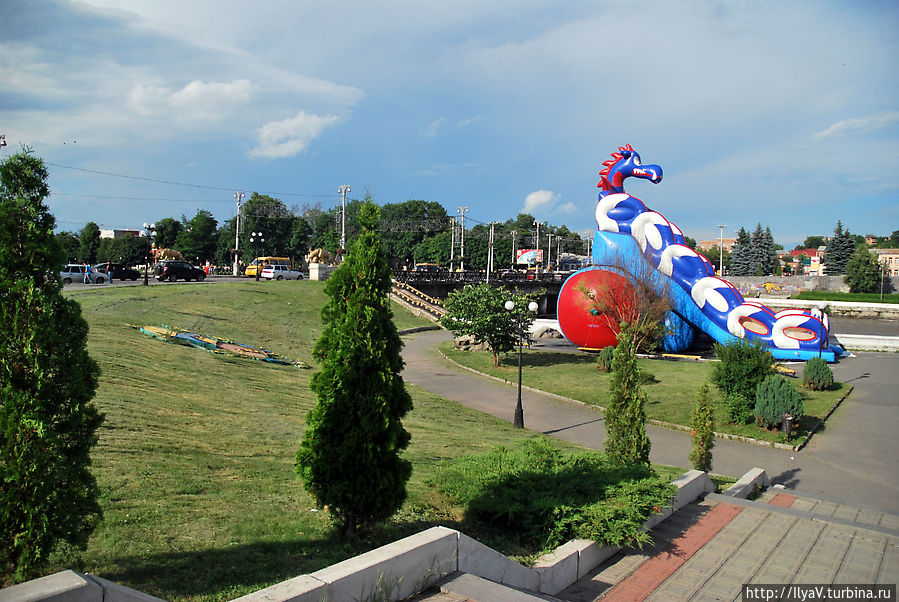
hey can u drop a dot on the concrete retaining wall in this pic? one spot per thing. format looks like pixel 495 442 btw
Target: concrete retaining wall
pixel 71 586
pixel 753 480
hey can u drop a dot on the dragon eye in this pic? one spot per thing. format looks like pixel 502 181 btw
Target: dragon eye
pixel 637 160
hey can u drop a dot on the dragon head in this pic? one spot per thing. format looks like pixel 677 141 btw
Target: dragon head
pixel 626 164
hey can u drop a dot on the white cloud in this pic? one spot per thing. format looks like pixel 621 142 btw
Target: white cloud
pixel 570 209
pixel 468 121
pixel 289 137
pixel 541 200
pixel 197 101
pixel 430 130
pixel 860 125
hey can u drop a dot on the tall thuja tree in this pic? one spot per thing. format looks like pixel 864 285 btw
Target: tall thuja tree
pixel 47 380
pixel 349 458
pixel 839 250
pixel 741 260
pixel 626 442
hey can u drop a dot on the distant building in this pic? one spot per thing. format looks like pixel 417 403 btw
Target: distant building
pixel 890 260
pixel 804 261
pixel 727 243
pixel 114 233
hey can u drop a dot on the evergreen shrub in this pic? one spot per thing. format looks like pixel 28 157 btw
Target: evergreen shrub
pixel 774 397
pixel 817 375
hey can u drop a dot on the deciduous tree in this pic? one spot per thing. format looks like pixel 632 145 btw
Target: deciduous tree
pixel 863 272
pixel 479 311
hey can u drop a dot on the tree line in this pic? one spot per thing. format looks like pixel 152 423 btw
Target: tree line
pixel 414 231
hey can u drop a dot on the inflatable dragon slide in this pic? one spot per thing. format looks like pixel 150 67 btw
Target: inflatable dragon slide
pixel 631 236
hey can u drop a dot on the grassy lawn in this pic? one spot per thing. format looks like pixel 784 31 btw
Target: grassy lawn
pixel 856 297
pixel 195 458
pixel 671 399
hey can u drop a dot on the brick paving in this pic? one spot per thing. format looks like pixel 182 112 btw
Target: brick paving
pixel 652 573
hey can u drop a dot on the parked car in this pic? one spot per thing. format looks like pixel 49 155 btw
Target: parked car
pixel 173 269
pixel 74 272
pixel 280 272
pixel 119 271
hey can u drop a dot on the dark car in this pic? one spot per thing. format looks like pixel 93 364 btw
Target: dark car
pixel 119 271
pixel 173 269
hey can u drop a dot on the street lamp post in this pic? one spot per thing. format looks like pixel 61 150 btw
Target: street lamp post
pixel 149 231
pixel 254 238
pixel 518 421
pixel 721 250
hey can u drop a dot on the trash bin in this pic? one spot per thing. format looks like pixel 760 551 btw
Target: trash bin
pixel 786 426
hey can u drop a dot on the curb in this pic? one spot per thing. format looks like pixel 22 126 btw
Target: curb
pixel 668 425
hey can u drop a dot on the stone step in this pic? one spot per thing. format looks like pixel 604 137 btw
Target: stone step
pixel 832 510
pixel 464 587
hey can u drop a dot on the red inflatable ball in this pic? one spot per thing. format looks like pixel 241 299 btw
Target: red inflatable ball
pixel 583 328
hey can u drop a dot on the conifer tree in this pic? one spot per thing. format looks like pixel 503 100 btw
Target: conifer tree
pixel 770 252
pixel 757 251
pixel 702 431
pixel 47 380
pixel 625 416
pixel 839 250
pixel 741 260
pixel 349 459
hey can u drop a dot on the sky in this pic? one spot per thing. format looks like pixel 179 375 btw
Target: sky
pixel 779 113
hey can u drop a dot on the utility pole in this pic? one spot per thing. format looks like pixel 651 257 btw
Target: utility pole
pixel 490 253
pixel 549 250
pixel 721 251
pixel 343 189
pixel 463 211
pixel 537 256
pixel 514 250
pixel 452 243
pixel 239 196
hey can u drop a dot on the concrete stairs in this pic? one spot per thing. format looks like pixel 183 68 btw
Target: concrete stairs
pixel 782 537
pixel 417 302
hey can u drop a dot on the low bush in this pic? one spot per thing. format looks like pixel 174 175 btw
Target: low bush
pixel 817 375
pixel 775 397
pixel 647 378
pixel 604 361
pixel 743 365
pixel 739 408
pixel 547 497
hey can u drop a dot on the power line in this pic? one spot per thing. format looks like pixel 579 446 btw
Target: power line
pixel 171 183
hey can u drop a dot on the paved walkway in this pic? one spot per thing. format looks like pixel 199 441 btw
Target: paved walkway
pixel 854 461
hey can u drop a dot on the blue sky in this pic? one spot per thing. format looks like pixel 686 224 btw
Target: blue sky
pixel 784 113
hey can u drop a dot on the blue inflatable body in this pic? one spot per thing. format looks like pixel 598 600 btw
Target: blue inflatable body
pixel 629 232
